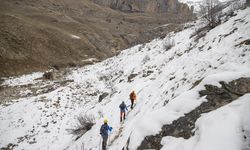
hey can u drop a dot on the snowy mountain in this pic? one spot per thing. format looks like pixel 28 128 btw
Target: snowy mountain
pixel 196 3
pixel 168 76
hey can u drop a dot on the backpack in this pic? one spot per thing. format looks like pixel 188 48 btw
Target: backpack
pixel 132 96
pixel 104 129
pixel 122 106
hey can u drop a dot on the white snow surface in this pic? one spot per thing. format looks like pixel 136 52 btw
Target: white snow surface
pixel 196 3
pixel 75 36
pixel 224 128
pixel 163 85
pixel 23 80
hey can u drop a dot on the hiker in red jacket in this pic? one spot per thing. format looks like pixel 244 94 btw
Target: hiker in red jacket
pixel 132 98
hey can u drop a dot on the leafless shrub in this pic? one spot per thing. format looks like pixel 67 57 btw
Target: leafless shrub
pixel 168 43
pixel 145 59
pixel 72 64
pixel 211 11
pixel 55 67
pixel 84 124
pixel 48 75
pixel 200 32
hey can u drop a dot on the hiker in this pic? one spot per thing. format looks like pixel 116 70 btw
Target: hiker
pixel 123 109
pixel 132 98
pixel 105 128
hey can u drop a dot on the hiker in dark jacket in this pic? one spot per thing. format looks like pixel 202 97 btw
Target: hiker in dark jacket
pixel 123 109
pixel 104 130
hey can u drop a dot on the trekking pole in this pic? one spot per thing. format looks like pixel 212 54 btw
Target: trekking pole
pixel 108 140
pixel 82 146
pixel 100 145
pixel 109 137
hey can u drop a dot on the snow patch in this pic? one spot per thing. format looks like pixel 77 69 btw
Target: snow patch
pixel 23 80
pixel 75 36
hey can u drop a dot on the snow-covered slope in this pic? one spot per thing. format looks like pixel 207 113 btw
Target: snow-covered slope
pixel 217 128
pixel 163 80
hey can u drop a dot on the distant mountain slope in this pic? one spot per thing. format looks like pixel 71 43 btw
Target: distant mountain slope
pixel 37 34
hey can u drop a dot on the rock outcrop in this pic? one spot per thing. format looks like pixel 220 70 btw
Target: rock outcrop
pixel 216 96
pixel 148 6
pixel 248 2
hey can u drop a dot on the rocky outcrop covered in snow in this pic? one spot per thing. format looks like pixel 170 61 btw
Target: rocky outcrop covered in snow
pixel 216 97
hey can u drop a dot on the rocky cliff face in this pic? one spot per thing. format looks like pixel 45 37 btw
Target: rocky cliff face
pixel 150 6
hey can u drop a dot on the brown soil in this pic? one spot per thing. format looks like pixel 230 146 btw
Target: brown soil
pixel 36 34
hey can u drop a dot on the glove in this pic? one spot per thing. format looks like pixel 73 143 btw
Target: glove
pixel 110 129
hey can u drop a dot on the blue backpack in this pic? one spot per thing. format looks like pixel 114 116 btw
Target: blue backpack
pixel 104 130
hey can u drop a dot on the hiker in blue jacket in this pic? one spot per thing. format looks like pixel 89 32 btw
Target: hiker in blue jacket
pixel 104 130
pixel 123 109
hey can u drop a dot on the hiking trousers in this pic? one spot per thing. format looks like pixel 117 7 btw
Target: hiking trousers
pixel 132 103
pixel 104 143
pixel 122 115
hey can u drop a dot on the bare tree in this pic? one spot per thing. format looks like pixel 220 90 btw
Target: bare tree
pixel 85 123
pixel 211 12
